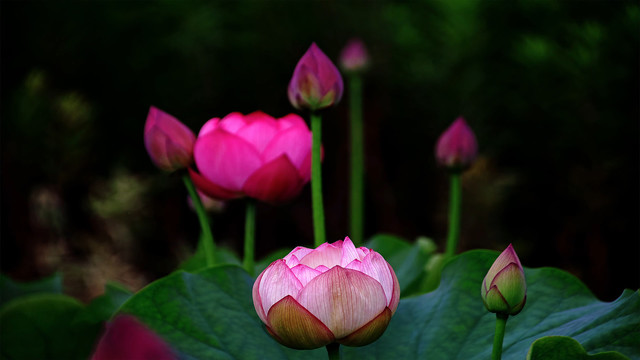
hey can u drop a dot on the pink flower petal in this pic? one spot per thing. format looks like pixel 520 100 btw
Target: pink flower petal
pixel 299 252
pixel 305 168
pixel 257 299
pixel 375 266
pixel 277 282
pixel 291 260
pixel 295 142
pixel 355 265
pixel 260 116
pixel 275 182
pixel 322 268
pixel 211 189
pixel 291 120
pixel 209 126
pixel 349 252
pixel 258 133
pixel 232 122
pixel 304 273
pixel 226 159
pixel 362 252
pixel 326 254
pixel 506 257
pixel 395 297
pixel 343 299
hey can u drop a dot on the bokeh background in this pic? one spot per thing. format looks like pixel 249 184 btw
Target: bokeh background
pixel 550 88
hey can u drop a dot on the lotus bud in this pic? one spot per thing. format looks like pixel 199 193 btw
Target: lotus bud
pixel 316 82
pixel 354 56
pixel 168 141
pixel 334 293
pixel 504 290
pixel 457 147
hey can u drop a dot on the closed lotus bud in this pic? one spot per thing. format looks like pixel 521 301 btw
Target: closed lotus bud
pixel 316 82
pixel 354 56
pixel 504 289
pixel 253 155
pixel 168 141
pixel 457 147
pixel 334 293
pixel 126 338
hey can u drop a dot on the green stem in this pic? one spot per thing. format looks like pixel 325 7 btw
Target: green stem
pixel 316 180
pixel 501 323
pixel 357 156
pixel 334 351
pixel 455 201
pixel 207 237
pixel 249 236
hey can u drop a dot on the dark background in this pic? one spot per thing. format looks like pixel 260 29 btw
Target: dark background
pixel 550 89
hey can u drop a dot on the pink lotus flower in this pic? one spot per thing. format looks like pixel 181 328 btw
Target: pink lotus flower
pixel 334 293
pixel 168 141
pixel 126 338
pixel 504 289
pixel 316 82
pixel 354 56
pixel 457 147
pixel 253 155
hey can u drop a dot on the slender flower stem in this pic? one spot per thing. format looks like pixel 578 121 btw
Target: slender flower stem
pixel 249 236
pixel 455 201
pixel 316 180
pixel 334 351
pixel 207 237
pixel 501 323
pixel 357 156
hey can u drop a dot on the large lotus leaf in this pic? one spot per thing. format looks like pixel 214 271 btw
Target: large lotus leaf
pixel 563 348
pixel 46 326
pixel 452 323
pixel 210 315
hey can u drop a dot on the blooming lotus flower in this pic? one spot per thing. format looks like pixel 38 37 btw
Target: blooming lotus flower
pixel 334 293
pixel 316 82
pixel 253 155
pixel 504 289
pixel 457 147
pixel 126 338
pixel 168 141
pixel 354 56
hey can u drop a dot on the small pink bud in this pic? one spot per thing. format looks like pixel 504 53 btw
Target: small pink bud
pixel 354 56
pixel 333 293
pixel 126 338
pixel 316 82
pixel 504 289
pixel 457 147
pixel 168 141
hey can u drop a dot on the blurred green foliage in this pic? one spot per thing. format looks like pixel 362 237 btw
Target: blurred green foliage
pixel 550 88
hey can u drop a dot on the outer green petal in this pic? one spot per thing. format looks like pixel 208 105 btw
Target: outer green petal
pixel 511 283
pixel 495 302
pixel 295 327
pixel 370 332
